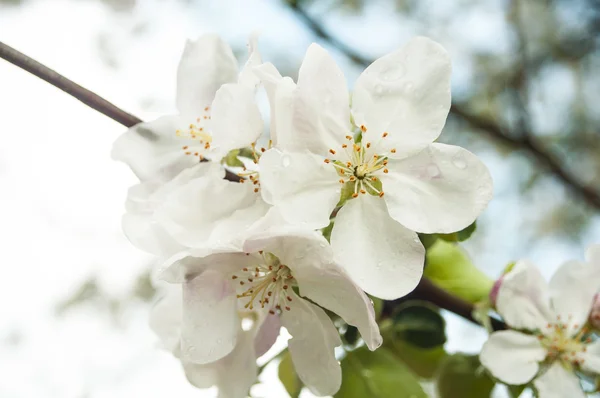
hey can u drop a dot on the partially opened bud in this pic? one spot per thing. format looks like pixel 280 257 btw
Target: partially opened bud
pixel 595 313
pixel 494 291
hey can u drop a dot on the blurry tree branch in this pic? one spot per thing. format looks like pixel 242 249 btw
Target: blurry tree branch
pixel 525 140
pixel 426 290
pixel 84 95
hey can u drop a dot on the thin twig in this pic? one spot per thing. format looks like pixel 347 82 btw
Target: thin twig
pixel 84 95
pixel 525 140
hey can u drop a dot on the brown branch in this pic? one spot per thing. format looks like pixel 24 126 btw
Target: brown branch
pixel 527 142
pixel 84 95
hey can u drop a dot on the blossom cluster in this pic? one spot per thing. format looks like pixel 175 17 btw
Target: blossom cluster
pixel 552 335
pixel 259 227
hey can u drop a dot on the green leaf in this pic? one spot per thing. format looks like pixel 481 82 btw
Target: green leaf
pixel 231 159
pixel 351 335
pixel 419 324
pixel 461 235
pixel 428 240
pixel 461 376
pixel 449 267
pixel 377 374
pixel 288 376
pixel 424 362
pixel 377 305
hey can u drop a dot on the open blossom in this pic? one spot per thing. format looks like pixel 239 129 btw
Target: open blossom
pixel 556 315
pixel 233 374
pixel 282 266
pixel 217 113
pixel 381 150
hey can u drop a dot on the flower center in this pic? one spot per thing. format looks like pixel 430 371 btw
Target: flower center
pixel 267 284
pixel 562 346
pixel 252 172
pixel 360 163
pixel 199 139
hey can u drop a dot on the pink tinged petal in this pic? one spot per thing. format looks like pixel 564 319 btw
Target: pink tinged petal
pixel 382 257
pixel 321 103
pixel 235 119
pixel 153 150
pixel 591 358
pixel 196 210
pixel 558 382
pixel 572 290
pixel 442 189
pixel 523 298
pixel 166 316
pixel 314 338
pixel 332 289
pixel 210 319
pixel 407 94
pixel 266 334
pixel 302 187
pixel 512 357
pixel 205 65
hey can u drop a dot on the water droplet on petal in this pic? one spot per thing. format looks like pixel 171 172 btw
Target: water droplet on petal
pixel 378 89
pixel 459 162
pixel 286 161
pixel 393 73
pixel 409 88
pixel 433 171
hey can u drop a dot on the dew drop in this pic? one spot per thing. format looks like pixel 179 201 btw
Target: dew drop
pixel 433 171
pixel 378 89
pixel 459 162
pixel 393 73
pixel 190 350
pixel 286 161
pixel 409 88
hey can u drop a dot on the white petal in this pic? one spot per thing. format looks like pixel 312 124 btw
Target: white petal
pixel 442 189
pixel 572 290
pixel 210 319
pixel 205 65
pixel 321 102
pixel 238 370
pixel 295 246
pixel 181 267
pixel 147 235
pixel 233 375
pixel 266 334
pixel 235 119
pixel 382 257
pixel 523 298
pixel 591 358
pixel 248 77
pixel 558 382
pixel 153 150
pixel 407 94
pixel 197 209
pixel 592 255
pixel 165 318
pixel 300 185
pixel 332 289
pixel 512 357
pixel 312 346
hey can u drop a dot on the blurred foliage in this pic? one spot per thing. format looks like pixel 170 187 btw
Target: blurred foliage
pixel 289 378
pixel 462 376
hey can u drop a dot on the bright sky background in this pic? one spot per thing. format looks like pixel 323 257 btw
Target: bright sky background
pixel 61 196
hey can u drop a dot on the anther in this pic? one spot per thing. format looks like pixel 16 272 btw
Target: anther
pixel 393 150
pixel 368 145
pixel 332 151
pixel 185 147
pixel 355 195
pixel 386 171
pixel 363 191
pixel 385 134
pixel 363 128
pixel 381 194
pixel 348 137
pixel 326 160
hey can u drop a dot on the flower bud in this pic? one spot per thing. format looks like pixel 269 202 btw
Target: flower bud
pixel 595 313
pixel 494 291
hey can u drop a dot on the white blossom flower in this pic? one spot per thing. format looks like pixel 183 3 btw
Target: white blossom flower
pixel 380 149
pixel 556 314
pixel 279 260
pixel 197 210
pixel 233 374
pixel 217 113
